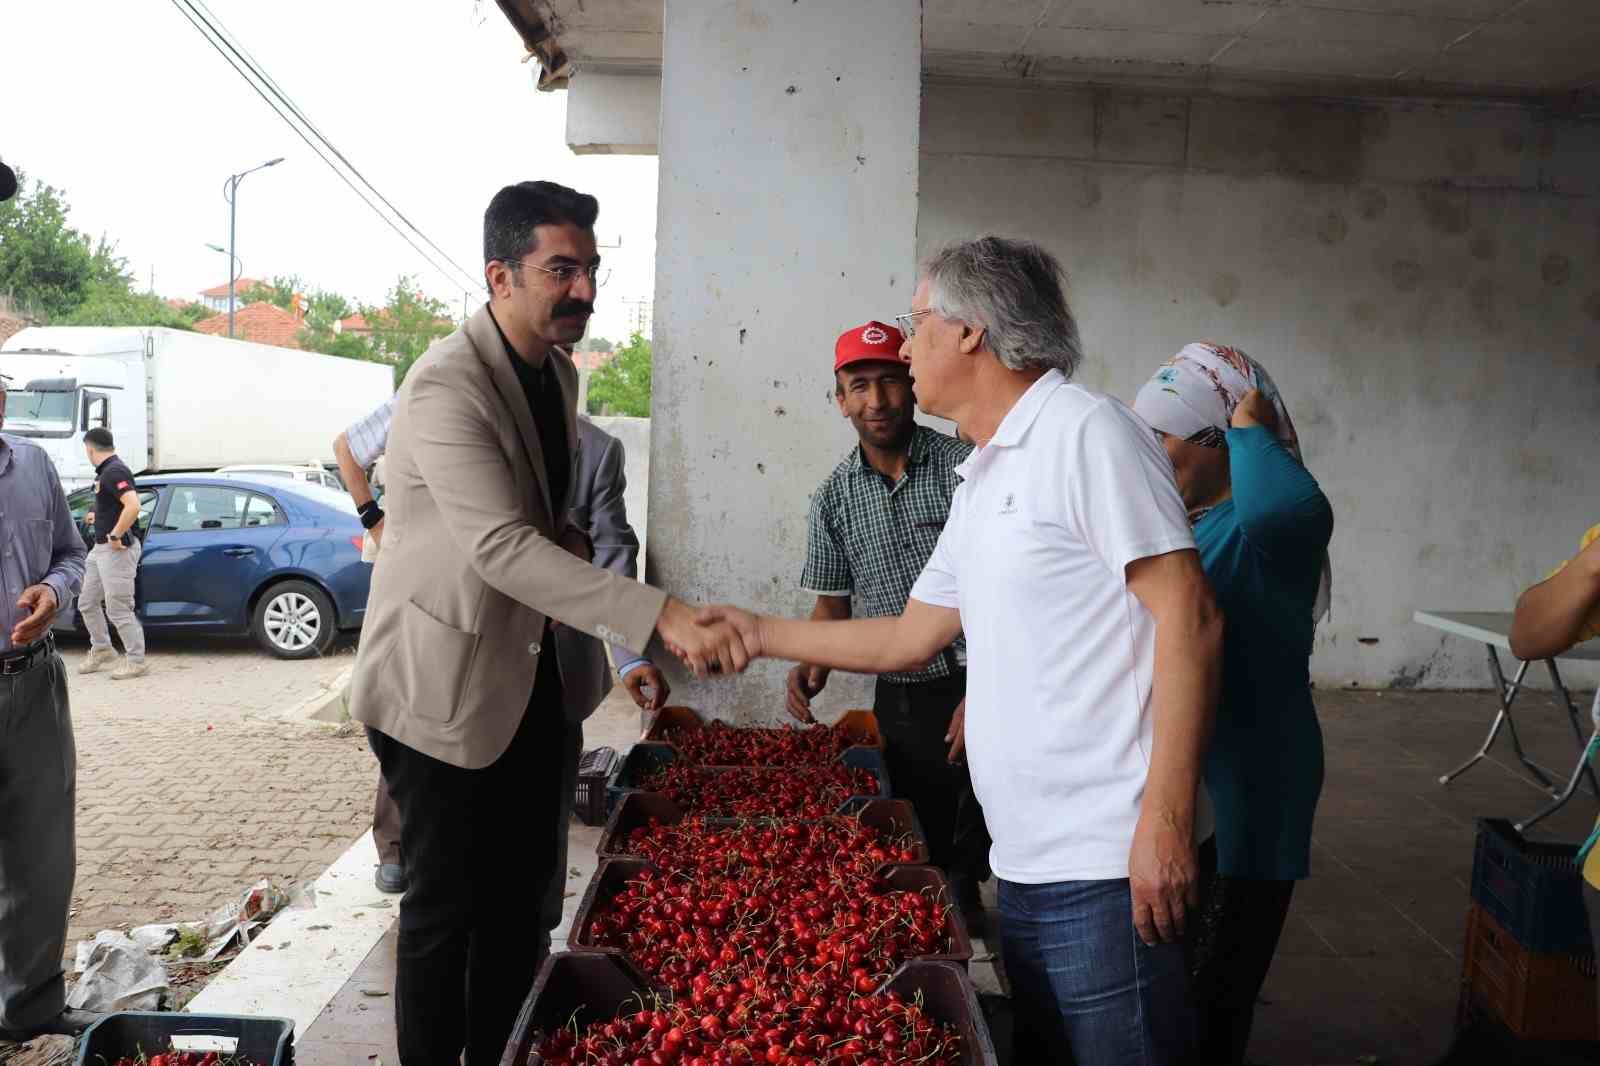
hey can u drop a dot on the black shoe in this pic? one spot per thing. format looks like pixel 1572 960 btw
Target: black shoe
pixel 391 878
pixel 68 1023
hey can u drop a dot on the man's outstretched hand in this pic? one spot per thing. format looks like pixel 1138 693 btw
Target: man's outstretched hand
pixel 706 643
pixel 745 623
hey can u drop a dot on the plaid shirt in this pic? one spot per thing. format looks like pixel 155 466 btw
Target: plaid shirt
pixel 872 539
pixel 369 436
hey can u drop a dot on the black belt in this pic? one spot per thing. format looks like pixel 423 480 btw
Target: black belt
pixel 20 662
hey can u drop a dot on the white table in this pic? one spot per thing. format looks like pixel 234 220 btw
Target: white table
pixel 1493 630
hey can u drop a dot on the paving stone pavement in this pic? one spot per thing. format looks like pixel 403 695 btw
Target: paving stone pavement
pixel 191 786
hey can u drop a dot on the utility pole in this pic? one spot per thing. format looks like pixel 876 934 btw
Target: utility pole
pixel 231 194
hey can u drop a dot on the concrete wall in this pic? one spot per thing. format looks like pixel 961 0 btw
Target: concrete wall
pixel 613 114
pixel 634 433
pixel 787 209
pixel 1423 282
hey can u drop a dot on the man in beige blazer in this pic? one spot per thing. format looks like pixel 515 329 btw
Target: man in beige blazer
pixel 456 678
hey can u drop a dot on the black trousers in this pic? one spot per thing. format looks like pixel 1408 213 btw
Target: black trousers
pixel 1231 940
pixel 481 848
pixel 914 719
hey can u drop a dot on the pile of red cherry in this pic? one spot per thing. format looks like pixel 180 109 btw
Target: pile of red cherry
pixel 798 792
pixel 181 1058
pixel 695 849
pixel 773 941
pixel 838 1030
pixel 719 744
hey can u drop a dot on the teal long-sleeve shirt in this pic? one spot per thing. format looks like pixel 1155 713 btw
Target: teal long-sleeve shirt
pixel 1263 550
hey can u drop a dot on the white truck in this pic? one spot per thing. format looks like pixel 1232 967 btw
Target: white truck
pixel 176 400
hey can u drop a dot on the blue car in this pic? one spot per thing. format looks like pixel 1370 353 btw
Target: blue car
pixel 277 559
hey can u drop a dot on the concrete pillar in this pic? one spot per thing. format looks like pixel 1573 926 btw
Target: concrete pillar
pixel 787 212
pixel 613 114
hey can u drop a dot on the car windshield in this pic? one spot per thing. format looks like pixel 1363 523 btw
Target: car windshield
pixel 35 413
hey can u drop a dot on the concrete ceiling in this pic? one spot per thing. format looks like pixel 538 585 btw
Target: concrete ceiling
pixel 1473 47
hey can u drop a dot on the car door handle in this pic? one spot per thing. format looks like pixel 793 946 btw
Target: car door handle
pixel 238 553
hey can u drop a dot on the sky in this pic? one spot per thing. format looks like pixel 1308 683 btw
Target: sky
pixel 139 121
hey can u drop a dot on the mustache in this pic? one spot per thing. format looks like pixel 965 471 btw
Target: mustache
pixel 572 307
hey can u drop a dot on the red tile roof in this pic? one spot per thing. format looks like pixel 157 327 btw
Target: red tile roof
pixel 262 323
pixel 240 286
pixel 356 323
pixel 591 360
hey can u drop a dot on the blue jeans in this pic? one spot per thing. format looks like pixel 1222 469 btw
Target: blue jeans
pixel 1081 978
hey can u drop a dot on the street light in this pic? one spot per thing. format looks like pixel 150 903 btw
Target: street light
pixel 236 263
pixel 230 193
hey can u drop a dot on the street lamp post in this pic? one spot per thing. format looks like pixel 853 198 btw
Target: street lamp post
pixel 230 193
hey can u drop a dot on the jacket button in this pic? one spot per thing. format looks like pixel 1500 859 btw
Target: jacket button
pixel 533 649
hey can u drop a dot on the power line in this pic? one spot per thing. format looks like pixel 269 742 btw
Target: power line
pixel 255 66
pixel 198 22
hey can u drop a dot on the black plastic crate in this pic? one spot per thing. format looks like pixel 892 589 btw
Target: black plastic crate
pixel 1534 890
pixel 613 875
pixel 572 987
pixel 893 818
pixel 264 1041
pixel 594 775
pixel 586 987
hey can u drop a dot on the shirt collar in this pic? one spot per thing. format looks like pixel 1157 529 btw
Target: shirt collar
pixel 1015 425
pixel 6 452
pixel 105 462
pixel 537 365
pixel 915 455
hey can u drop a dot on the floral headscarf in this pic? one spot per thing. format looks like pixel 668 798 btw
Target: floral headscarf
pixel 1193 396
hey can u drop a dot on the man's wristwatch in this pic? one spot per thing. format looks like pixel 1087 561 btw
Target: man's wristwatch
pixel 371 514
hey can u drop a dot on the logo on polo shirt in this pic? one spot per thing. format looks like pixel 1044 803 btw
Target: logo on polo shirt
pixel 1009 505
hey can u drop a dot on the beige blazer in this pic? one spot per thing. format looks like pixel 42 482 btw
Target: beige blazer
pixel 470 567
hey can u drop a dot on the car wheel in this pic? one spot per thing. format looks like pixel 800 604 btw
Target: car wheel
pixel 294 620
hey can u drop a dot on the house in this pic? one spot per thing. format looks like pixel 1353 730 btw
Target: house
pixel 216 297
pixel 591 360
pixel 262 323
pixel 354 323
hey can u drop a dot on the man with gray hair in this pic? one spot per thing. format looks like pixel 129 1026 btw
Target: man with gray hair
pixel 1093 657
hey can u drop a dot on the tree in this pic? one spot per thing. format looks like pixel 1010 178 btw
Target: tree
pixel 279 292
pixel 596 344
pixel 49 268
pixel 404 327
pixel 117 305
pixel 622 386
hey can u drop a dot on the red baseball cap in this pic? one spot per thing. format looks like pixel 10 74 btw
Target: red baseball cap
pixel 875 342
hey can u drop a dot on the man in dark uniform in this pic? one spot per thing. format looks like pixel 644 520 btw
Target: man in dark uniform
pixel 873 525
pixel 113 564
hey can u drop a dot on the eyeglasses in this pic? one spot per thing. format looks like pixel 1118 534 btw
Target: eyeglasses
pixel 565 274
pixel 908 321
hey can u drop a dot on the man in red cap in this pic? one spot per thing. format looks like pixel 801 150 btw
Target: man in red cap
pixel 874 523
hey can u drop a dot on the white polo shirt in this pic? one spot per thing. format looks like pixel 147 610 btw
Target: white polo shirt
pixel 1060 654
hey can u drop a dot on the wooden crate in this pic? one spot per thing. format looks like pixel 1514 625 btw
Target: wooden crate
pixel 1536 996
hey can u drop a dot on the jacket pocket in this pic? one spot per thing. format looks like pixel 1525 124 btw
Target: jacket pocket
pixel 434 663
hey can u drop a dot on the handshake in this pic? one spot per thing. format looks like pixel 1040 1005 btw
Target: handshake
pixel 711 640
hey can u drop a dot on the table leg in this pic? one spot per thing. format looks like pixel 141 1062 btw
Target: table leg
pixel 1560 693
pixel 1507 692
pixel 1556 804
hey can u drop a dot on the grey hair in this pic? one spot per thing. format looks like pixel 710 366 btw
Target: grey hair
pixel 1015 291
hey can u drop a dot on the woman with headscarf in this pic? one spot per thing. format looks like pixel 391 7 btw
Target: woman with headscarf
pixel 1262 526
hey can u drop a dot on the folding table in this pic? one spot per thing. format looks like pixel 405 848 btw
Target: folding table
pixel 1493 630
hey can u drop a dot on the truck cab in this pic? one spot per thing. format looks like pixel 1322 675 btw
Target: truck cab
pixel 54 397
